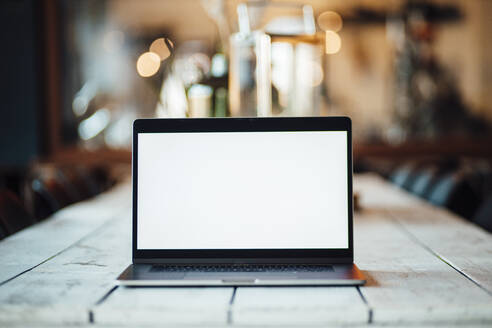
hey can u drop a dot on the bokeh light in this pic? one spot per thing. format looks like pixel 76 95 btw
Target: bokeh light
pixel 162 47
pixel 333 42
pixel 94 124
pixel 330 21
pixel 148 64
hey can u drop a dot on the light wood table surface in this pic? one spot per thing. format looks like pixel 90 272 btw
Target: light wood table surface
pixel 425 266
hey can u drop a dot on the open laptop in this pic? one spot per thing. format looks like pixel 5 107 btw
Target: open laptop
pixel 242 202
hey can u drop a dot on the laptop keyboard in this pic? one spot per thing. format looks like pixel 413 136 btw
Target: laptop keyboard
pixel 242 268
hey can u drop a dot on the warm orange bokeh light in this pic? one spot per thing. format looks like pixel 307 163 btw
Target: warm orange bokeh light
pixel 148 64
pixel 330 21
pixel 333 43
pixel 161 48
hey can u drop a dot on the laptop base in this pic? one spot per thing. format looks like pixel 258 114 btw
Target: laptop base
pixel 151 275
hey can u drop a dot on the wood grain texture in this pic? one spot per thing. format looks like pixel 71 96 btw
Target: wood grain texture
pixel 462 244
pixel 62 290
pixel 299 306
pixel 50 298
pixel 165 307
pixel 409 284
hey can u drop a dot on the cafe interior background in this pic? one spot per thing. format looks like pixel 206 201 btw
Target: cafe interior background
pixel 415 77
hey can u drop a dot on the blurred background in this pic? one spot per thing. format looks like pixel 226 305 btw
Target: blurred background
pixel 414 76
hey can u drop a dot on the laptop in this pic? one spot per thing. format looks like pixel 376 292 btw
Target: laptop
pixel 242 202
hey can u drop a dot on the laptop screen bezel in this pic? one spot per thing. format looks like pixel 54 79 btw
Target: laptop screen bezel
pixel 187 125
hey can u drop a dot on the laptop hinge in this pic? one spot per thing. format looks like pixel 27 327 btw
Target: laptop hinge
pixel 245 261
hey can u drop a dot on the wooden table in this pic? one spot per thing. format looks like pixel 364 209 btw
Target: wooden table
pixel 424 266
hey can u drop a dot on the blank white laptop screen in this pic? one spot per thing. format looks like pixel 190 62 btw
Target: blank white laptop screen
pixel 242 190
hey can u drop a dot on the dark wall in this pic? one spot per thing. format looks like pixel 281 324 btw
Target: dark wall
pixel 19 82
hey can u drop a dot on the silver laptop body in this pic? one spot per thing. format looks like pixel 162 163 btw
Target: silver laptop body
pixel 242 202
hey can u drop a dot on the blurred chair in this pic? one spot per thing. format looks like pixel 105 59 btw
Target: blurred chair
pixel 11 179
pixel 103 178
pixel 404 176
pixel 88 181
pixel 427 177
pixel 49 188
pixel 41 202
pixel 455 191
pixel 401 174
pixel 13 215
pixel 46 191
pixel 3 231
pixel 71 183
pixel 424 181
pixel 483 216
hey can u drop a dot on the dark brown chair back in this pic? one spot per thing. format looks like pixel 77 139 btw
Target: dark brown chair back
pixel 13 215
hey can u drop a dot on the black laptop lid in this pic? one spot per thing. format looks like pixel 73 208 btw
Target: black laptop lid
pixel 242 190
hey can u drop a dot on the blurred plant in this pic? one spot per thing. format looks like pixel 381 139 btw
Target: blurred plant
pixel 427 101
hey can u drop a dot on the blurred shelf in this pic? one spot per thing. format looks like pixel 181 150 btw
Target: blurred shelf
pixel 80 156
pixel 450 146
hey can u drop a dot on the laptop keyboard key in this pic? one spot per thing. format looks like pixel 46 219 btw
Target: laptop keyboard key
pixel 242 268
